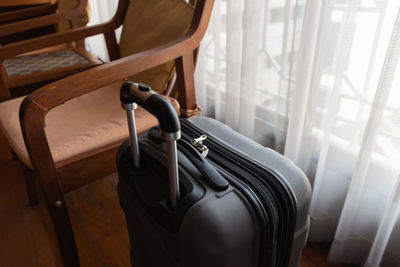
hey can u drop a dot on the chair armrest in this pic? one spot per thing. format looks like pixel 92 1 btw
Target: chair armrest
pixel 11 50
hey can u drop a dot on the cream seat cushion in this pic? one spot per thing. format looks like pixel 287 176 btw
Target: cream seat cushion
pixel 80 127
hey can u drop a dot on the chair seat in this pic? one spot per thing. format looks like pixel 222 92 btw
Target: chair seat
pixel 47 64
pixel 81 127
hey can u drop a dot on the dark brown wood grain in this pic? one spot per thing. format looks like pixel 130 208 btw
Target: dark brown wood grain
pixel 185 81
pixel 85 170
pixel 110 241
pixel 112 46
pixel 43 165
pixel 31 186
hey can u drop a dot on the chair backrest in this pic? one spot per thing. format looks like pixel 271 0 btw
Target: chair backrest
pixel 148 24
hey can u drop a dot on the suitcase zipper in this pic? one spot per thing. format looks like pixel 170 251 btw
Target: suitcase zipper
pixel 268 224
pixel 261 205
pixel 279 201
pixel 198 143
pixel 265 246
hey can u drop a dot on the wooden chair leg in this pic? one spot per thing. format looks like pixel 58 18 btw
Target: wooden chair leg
pixel 60 219
pixel 31 186
pixel 63 228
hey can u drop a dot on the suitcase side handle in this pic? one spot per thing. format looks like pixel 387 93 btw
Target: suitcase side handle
pixel 208 172
pixel 132 94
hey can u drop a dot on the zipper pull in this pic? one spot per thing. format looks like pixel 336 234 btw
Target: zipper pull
pixel 198 143
pixel 199 140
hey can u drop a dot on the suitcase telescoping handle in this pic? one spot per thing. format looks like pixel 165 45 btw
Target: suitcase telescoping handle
pixel 133 94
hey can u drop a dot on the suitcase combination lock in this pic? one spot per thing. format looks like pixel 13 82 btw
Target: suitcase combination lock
pixel 198 143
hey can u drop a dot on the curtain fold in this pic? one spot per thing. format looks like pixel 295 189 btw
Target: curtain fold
pixel 303 79
pixel 347 227
pixel 318 81
pixel 101 11
pixel 233 81
pixel 249 65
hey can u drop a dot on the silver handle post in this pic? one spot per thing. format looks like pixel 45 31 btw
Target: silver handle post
pixel 132 132
pixel 173 174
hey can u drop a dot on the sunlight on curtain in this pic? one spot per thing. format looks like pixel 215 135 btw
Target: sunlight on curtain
pixel 318 81
pixel 101 11
pixel 249 48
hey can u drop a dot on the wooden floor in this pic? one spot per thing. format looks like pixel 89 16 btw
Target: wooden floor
pixel 27 237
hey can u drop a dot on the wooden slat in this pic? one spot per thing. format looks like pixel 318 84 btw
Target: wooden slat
pixel 88 254
pixel 99 228
pixel 185 81
pixel 106 194
pixel 81 172
pixel 33 223
pixel 15 248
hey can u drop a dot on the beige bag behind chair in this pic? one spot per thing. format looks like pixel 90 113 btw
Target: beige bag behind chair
pixel 151 23
pixel 65 5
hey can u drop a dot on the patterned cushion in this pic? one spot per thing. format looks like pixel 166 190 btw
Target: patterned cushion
pixel 43 62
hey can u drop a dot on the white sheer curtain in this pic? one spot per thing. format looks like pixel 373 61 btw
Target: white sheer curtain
pixel 100 11
pixel 318 80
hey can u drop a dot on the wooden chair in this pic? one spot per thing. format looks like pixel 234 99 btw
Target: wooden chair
pixel 25 69
pixel 83 111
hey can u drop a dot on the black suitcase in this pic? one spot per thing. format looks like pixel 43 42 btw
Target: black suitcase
pixel 235 202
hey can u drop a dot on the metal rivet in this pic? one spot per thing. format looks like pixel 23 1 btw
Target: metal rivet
pixel 58 203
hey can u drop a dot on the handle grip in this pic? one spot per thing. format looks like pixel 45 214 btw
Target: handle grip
pixel 153 102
